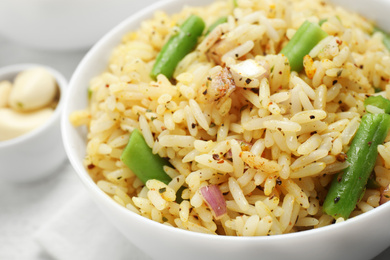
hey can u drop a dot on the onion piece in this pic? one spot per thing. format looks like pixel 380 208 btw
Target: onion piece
pixel 245 146
pixel 213 197
pixel 221 86
pixel 385 195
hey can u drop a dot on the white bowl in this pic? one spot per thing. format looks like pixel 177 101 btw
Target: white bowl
pixel 361 237
pixel 39 152
pixel 375 10
pixel 62 24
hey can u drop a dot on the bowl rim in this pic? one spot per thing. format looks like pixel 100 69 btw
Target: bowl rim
pixel 98 50
pixel 9 73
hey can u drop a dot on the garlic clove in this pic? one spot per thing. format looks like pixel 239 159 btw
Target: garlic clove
pixel 33 89
pixel 248 74
pixel 5 90
pixel 14 124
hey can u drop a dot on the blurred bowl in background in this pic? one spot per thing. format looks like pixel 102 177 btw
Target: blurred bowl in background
pixel 37 153
pixel 62 24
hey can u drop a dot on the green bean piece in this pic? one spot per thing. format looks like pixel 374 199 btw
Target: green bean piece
pixel 372 183
pixel 386 41
pixel 235 4
pixel 378 101
pixel 138 156
pixel 386 37
pixel 179 192
pixel 216 23
pixel 348 186
pixel 90 92
pixel 178 46
pixel 322 21
pixel 305 38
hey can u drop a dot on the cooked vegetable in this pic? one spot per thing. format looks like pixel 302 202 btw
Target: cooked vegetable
pixel 221 86
pixel 216 23
pixel 305 38
pixel 5 90
pixel 372 183
pixel 386 37
pixel 214 199
pixel 90 92
pixel 138 156
pixel 33 89
pixel 386 41
pixel 322 21
pixel 378 101
pixel 385 195
pixel 178 46
pixel 248 73
pixel 15 123
pixel 347 187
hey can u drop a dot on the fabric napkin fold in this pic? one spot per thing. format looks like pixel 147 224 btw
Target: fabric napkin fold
pixel 79 231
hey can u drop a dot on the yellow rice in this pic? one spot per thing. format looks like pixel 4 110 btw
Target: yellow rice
pixel 280 160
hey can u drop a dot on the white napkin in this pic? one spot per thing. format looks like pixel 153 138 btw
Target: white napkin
pixel 79 231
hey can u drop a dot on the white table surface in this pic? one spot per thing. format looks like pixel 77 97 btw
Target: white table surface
pixel 26 207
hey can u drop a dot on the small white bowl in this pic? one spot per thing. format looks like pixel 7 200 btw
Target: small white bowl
pixel 361 237
pixel 39 152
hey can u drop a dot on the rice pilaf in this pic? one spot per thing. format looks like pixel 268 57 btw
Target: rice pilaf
pixel 271 146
